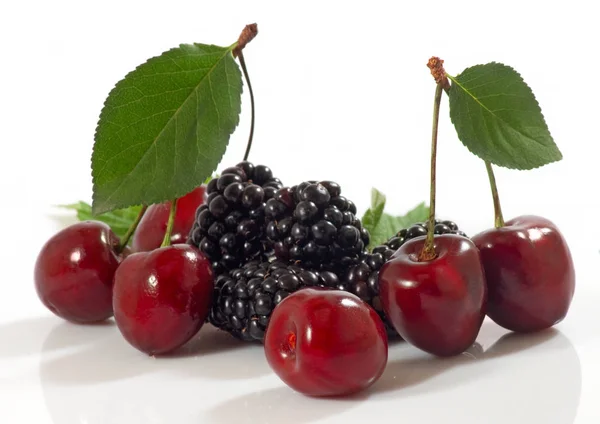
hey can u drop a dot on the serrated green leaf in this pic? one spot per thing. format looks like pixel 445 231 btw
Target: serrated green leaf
pixel 382 226
pixel 498 118
pixel 118 220
pixel 165 127
pixel 389 225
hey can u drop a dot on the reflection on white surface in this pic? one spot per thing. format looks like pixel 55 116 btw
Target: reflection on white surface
pixel 534 379
pixel 94 377
pixel 107 381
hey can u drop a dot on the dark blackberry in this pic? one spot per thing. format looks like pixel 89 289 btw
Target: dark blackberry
pixel 245 297
pixel 312 225
pixel 362 279
pixel 230 226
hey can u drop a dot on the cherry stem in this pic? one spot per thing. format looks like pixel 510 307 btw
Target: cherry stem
pixel 428 252
pixel 247 78
pixel 499 219
pixel 167 240
pixel 247 35
pixel 132 228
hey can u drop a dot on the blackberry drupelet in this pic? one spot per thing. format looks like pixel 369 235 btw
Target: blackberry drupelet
pixel 245 297
pixel 312 225
pixel 229 227
pixel 362 279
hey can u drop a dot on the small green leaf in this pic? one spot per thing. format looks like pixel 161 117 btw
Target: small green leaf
pixel 389 225
pixel 498 118
pixel 118 220
pixel 383 226
pixel 165 127
pixel 372 216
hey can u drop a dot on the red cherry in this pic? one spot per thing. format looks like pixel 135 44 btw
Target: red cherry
pixel 436 305
pixel 529 273
pixel 161 298
pixel 151 230
pixel 326 343
pixel 74 272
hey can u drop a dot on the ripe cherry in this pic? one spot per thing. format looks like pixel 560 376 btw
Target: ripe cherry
pixel 529 273
pixel 74 272
pixel 153 225
pixel 161 298
pixel 437 305
pixel 326 343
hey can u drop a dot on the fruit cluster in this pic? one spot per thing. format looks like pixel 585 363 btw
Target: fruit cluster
pixel 288 266
pixel 293 267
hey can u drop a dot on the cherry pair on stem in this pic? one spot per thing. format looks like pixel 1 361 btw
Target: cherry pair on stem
pixel 437 290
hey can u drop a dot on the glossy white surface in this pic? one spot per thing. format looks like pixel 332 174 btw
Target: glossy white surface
pixel 55 372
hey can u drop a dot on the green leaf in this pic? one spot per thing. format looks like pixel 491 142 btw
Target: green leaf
pixel 118 220
pixel 498 118
pixel 165 127
pixel 383 226
pixel 372 216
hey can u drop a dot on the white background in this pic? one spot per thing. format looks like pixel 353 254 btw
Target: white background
pixel 342 93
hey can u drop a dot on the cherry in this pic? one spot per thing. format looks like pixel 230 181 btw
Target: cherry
pixel 153 225
pixel 161 298
pixel 326 343
pixel 74 272
pixel 437 305
pixel 529 273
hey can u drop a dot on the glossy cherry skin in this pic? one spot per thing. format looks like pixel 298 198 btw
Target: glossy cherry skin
pixel 436 305
pixel 151 230
pixel 74 272
pixel 326 343
pixel 529 272
pixel 161 298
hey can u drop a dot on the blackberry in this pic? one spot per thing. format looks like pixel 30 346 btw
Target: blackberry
pixel 245 297
pixel 229 227
pixel 312 225
pixel 416 230
pixel 362 279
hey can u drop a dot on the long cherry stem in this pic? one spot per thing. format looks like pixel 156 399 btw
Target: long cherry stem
pixel 249 32
pixel 167 239
pixel 132 228
pixel 498 218
pixel 247 77
pixel 428 252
